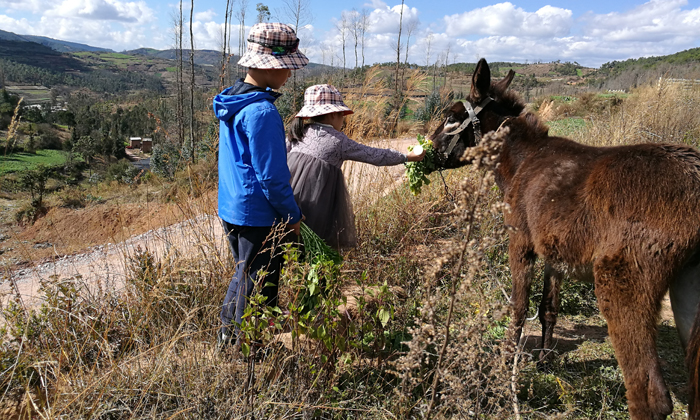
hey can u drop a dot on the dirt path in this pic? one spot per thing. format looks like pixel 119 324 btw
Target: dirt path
pixel 106 265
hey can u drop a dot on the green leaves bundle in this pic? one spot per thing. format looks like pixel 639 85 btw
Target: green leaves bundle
pixel 417 172
pixel 316 249
pixel 324 263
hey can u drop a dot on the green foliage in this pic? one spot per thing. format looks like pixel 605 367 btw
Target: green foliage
pixel 122 171
pixel 99 80
pixel 417 172
pixel 316 250
pixel 87 147
pixel 566 127
pixel 616 67
pixel 568 69
pixel 165 159
pixel 34 181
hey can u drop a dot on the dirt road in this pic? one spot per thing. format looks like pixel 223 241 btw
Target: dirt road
pixel 107 265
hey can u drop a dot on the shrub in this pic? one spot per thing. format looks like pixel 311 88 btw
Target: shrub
pixel 122 171
pixel 165 159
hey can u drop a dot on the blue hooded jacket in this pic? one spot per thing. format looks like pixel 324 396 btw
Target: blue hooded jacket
pixel 254 178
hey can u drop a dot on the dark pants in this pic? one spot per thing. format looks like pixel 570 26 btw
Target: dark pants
pixel 254 249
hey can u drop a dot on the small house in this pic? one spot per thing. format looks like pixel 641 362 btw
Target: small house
pixel 134 142
pixel 146 145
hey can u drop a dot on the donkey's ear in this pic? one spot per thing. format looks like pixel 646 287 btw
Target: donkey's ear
pixel 503 84
pixel 481 81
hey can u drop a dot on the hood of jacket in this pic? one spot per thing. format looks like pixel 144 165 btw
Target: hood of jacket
pixel 234 98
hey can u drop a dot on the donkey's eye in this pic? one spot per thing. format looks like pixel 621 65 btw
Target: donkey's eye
pixel 451 123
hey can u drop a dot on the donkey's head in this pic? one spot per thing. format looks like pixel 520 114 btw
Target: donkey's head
pixel 464 124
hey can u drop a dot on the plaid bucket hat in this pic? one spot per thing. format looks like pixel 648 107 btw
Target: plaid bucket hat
pixel 322 99
pixel 273 46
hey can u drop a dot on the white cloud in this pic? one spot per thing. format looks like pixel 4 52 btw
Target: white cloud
pixel 103 10
pixel 505 19
pixel 34 6
pixel 654 21
pixel 18 26
pixel 207 16
pixel 385 19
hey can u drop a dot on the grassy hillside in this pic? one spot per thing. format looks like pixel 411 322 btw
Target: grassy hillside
pixel 201 57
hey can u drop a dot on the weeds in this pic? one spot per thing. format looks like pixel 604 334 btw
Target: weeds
pixel 411 325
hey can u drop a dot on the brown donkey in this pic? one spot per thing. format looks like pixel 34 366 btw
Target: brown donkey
pixel 624 217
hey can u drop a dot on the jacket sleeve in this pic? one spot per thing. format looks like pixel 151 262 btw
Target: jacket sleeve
pixel 352 150
pixel 269 160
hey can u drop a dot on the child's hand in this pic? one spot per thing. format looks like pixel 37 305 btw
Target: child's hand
pixel 416 155
pixel 296 227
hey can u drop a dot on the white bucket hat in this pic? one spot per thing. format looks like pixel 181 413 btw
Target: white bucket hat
pixel 322 99
pixel 273 46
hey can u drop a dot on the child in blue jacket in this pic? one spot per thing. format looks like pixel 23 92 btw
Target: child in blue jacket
pixel 254 191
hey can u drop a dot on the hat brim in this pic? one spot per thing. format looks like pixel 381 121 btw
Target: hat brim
pixel 308 111
pixel 295 60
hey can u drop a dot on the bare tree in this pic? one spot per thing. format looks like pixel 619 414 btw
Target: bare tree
pixel 342 26
pixel 192 82
pixel 355 30
pixel 364 25
pixel 428 44
pixel 240 16
pixel 398 51
pixel 411 27
pixel 224 44
pixel 299 14
pixel 179 112
pixel 447 56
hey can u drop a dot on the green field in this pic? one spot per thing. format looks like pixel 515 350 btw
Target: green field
pixel 16 162
pixel 566 127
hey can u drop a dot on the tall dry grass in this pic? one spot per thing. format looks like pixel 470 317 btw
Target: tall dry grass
pixel 425 338
pixel 659 112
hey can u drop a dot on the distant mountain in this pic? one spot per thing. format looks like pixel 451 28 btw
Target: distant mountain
pixel 201 57
pixel 37 55
pixel 54 44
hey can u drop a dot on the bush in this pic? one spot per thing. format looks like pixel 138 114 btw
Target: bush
pixel 122 171
pixel 165 159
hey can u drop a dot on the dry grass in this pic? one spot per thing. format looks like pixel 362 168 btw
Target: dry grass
pixel 437 267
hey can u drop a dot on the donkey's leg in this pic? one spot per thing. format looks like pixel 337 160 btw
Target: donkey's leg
pixel 549 309
pixel 522 262
pixel 685 295
pixel 630 303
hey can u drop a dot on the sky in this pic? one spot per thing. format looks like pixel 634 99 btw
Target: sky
pixel 590 33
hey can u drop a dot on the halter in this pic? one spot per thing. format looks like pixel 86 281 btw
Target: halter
pixel 474 120
pixel 473 112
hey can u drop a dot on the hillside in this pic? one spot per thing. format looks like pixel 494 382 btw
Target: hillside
pixel 30 63
pixel 54 44
pixel 201 57
pixel 37 55
pixel 691 56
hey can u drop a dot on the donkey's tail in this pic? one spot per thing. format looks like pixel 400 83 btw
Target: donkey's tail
pixel 692 360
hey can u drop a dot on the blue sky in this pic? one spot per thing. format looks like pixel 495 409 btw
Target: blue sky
pixel 588 32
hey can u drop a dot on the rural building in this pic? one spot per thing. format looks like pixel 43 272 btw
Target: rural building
pixel 146 145
pixel 135 142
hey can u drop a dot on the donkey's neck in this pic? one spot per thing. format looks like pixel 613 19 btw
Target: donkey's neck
pixel 515 150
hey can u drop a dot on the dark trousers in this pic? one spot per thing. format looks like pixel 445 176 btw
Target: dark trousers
pixel 254 249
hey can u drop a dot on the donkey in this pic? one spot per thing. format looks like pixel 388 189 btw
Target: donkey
pixel 625 217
